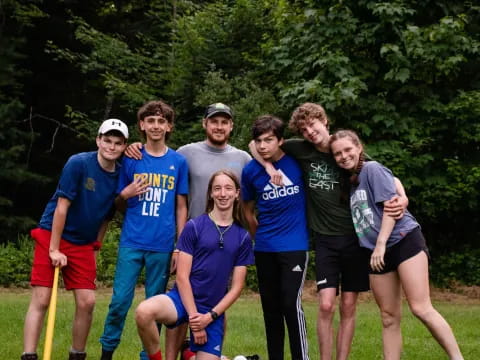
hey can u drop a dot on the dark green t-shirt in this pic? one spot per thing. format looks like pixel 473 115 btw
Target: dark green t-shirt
pixel 327 213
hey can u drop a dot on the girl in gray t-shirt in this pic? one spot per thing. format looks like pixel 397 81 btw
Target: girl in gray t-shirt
pixel 399 254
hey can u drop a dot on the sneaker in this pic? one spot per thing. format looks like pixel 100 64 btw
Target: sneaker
pixel 77 356
pixel 106 355
pixel 29 356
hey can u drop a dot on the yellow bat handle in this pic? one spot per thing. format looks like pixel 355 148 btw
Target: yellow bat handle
pixel 52 309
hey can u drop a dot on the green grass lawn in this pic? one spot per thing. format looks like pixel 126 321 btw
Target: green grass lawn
pixel 245 332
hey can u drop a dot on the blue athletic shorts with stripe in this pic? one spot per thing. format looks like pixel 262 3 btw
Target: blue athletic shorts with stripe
pixel 214 329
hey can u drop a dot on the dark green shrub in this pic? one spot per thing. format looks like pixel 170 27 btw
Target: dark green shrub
pixel 16 262
pixel 251 282
pixel 462 266
pixel 107 257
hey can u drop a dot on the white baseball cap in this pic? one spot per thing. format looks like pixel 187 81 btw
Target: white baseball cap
pixel 113 124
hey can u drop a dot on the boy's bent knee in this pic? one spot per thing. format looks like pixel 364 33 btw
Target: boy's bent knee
pixel 143 313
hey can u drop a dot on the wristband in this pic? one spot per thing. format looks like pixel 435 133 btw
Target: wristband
pixel 213 314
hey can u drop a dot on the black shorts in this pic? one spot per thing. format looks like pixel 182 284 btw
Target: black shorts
pixel 340 262
pixel 405 249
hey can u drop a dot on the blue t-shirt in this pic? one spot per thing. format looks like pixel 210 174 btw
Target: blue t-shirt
pixel 376 185
pixel 212 265
pixel 150 220
pixel 91 191
pixel 282 224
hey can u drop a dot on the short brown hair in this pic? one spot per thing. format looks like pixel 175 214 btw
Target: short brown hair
pixel 305 112
pixel 155 108
pixel 266 123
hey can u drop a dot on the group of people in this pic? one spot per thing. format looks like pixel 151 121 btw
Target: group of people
pixel 322 188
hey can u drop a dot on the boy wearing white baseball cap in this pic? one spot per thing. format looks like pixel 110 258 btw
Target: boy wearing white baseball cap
pixel 70 231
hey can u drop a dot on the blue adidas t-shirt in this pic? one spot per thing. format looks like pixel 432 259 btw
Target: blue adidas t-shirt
pixel 212 265
pixel 150 219
pixel 91 191
pixel 282 224
pixel 376 185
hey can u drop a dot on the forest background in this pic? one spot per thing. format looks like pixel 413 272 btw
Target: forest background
pixel 405 74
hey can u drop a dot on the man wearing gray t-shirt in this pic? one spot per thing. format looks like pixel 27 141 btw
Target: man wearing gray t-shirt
pixel 213 154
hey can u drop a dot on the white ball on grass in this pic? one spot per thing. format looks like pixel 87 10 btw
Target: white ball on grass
pixel 239 357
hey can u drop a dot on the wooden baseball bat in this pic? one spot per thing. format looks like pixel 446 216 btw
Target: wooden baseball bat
pixel 52 309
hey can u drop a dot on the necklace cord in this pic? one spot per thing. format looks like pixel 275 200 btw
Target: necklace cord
pixel 220 232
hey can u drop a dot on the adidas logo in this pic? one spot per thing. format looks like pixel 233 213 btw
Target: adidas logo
pixel 217 348
pixel 297 268
pixel 172 167
pixel 272 191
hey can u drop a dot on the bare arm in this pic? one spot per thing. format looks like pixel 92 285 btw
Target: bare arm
pixel 275 175
pixel 102 231
pixel 58 224
pixel 181 215
pixel 100 236
pixel 396 206
pixel 249 212
pixel 238 282
pixel 133 150
pixel 377 259
pixel 184 268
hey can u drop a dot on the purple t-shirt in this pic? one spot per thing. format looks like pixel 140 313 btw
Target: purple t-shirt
pixel 213 265
pixel 376 185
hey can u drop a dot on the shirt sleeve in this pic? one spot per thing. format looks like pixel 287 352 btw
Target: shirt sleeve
pixel 182 188
pixel 188 238
pixel 245 253
pixel 247 190
pixel 71 178
pixel 381 182
pixel 247 158
pixel 292 147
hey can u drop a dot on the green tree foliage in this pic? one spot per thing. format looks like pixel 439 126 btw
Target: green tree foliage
pixel 403 74
pixel 217 55
pixel 15 135
pixel 125 64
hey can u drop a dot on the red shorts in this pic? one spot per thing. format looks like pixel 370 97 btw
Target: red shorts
pixel 80 271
